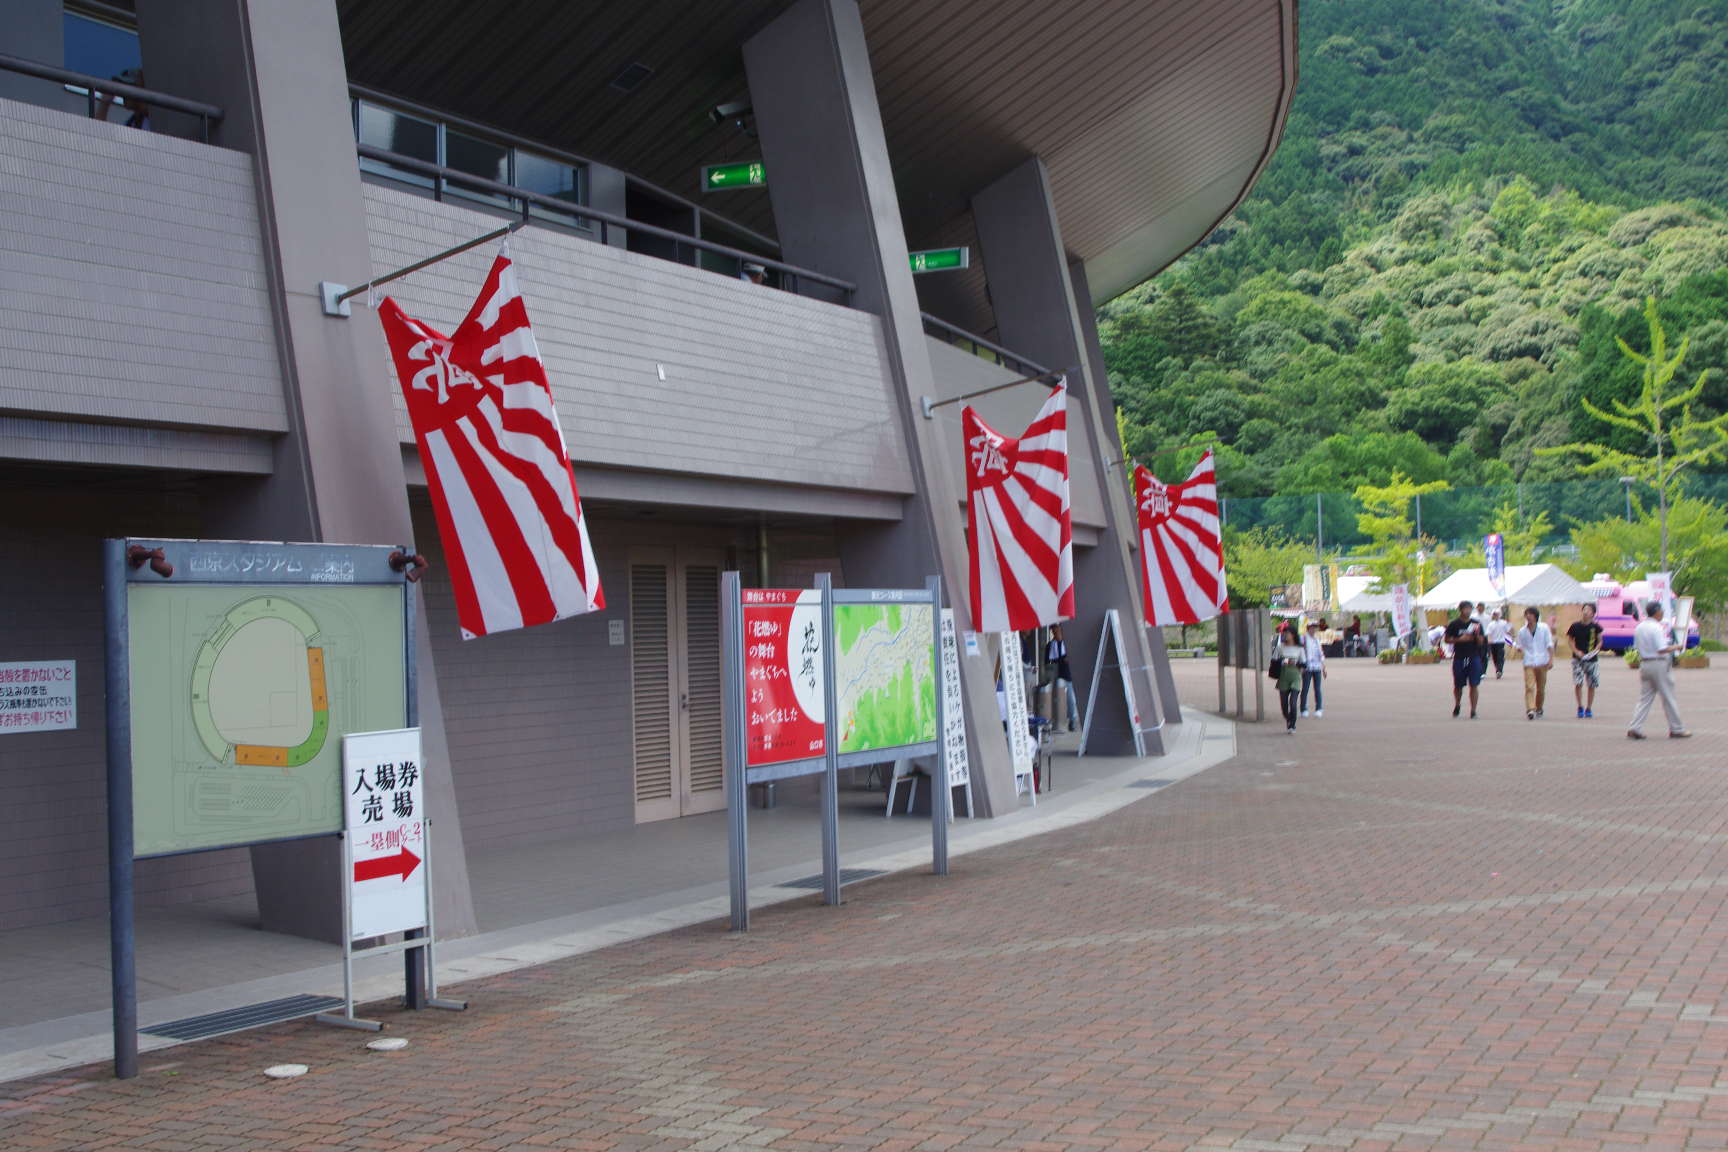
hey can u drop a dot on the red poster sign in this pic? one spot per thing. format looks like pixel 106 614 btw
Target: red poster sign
pixel 784 666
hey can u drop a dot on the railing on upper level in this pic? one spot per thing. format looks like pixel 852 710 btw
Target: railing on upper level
pixel 95 88
pixel 980 347
pixel 791 276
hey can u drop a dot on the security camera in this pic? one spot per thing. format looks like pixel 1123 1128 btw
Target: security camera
pixel 737 111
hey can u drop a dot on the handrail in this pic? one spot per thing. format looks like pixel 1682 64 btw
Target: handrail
pixel 204 112
pixel 604 219
pixel 397 104
pixel 949 331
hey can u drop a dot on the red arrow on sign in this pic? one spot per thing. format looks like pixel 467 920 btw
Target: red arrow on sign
pixel 379 867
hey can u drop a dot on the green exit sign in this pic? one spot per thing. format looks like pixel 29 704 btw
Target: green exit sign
pixel 941 259
pixel 744 174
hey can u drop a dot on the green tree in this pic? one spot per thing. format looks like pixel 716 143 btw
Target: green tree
pixel 1385 520
pixel 1259 559
pixel 1523 536
pixel 1698 548
pixel 1673 439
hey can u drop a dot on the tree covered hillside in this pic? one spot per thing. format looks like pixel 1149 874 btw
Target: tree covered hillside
pixel 1471 201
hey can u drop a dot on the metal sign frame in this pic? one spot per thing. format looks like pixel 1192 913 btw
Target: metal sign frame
pixel 239 563
pixel 1111 637
pixel 739 775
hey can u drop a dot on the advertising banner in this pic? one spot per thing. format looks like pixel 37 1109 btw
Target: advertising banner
pixel 784 670
pixel 1662 591
pixel 1494 555
pixel 1401 610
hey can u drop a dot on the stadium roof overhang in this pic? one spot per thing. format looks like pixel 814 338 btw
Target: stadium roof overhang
pixel 1154 117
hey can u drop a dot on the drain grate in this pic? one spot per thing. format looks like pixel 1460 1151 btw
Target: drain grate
pixel 847 876
pixel 1150 783
pixel 240 1019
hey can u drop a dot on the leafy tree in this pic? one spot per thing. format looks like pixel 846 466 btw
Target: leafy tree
pixel 1697 547
pixel 1386 522
pixel 1523 536
pixel 1258 559
pixel 1673 439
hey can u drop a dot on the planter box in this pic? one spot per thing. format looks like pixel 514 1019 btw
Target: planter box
pixel 1422 658
pixel 1693 659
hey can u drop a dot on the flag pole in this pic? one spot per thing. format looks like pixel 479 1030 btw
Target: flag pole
pixel 1053 379
pixel 496 233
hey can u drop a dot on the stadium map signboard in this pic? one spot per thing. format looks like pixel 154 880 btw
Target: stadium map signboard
pixel 234 669
pixel 820 679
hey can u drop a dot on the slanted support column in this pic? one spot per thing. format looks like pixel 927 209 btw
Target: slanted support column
pixel 1038 313
pixel 276 69
pixel 836 210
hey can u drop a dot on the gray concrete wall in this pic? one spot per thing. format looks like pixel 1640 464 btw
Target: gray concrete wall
pixel 34 30
pixel 132 282
pixel 760 384
pixel 53 792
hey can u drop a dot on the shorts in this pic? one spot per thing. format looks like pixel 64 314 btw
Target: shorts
pixel 1586 672
pixel 1466 671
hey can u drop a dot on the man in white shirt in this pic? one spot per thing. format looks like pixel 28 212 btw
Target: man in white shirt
pixel 1655 673
pixel 1536 644
pixel 1313 667
pixel 1499 631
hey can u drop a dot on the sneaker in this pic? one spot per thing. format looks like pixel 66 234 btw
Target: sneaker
pixel 1679 735
pixel 1580 713
pixel 1538 711
pixel 1456 708
pixel 1290 731
pixel 1530 715
pixel 1631 735
pixel 1472 714
pixel 1304 711
pixel 1319 712
pixel 1589 715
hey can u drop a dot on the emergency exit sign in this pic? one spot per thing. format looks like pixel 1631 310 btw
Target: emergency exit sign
pixel 941 259
pixel 722 177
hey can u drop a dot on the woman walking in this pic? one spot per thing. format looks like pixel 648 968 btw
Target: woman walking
pixel 1286 669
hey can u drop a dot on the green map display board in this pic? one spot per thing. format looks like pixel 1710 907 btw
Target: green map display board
pixel 884 675
pixel 240 698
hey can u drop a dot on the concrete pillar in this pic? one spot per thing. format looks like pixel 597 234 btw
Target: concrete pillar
pixel 1038 314
pixel 276 68
pixel 836 211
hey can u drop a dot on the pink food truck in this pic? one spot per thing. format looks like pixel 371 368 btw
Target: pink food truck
pixel 1619 607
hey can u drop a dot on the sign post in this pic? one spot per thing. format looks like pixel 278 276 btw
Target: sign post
pixel 1111 638
pixel 233 671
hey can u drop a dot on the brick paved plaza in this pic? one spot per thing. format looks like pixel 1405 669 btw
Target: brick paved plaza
pixel 1396 930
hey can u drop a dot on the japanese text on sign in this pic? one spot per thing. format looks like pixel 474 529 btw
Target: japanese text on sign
pixel 953 718
pixel 784 675
pixel 38 696
pixel 383 776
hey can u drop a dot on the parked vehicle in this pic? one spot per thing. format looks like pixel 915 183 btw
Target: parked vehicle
pixel 1619 607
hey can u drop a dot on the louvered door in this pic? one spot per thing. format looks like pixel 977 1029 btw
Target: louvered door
pixel 704 770
pixel 653 708
pixel 675 679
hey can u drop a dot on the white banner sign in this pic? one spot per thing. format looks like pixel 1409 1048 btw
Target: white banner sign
pixel 1682 619
pixel 1014 691
pixel 383 779
pixel 1401 610
pixel 1662 591
pixel 38 696
pixel 953 717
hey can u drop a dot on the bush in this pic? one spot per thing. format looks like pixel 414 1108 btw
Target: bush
pixel 1697 658
pixel 1389 656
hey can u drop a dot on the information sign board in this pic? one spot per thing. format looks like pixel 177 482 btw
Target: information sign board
pixel 884 675
pixel 1014 694
pixel 38 696
pixel 383 782
pixel 953 715
pixel 940 259
pixel 784 671
pixel 240 695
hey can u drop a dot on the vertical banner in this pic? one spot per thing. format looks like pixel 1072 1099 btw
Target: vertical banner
pixel 1662 591
pixel 1494 556
pixel 1401 610
pixel 784 669
pixel 1014 694
pixel 1682 620
pixel 953 718
pixel 382 779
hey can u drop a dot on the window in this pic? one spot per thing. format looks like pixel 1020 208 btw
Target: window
pixel 548 177
pixel 99 47
pixel 397 132
pixel 480 158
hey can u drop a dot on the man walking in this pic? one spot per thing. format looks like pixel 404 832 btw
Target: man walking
pixel 1655 673
pixel 1498 632
pixel 1466 638
pixel 1536 643
pixel 1313 668
pixel 1586 637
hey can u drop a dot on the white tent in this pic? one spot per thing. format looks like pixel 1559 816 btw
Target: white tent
pixel 1527 585
pixel 1354 595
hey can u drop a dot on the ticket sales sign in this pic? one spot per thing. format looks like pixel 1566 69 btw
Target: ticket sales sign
pixel 383 780
pixel 38 696
pixel 785 668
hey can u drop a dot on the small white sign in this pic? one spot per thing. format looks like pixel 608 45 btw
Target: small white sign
pixel 971 643
pixel 615 633
pixel 1014 689
pixel 953 715
pixel 38 696
pixel 383 780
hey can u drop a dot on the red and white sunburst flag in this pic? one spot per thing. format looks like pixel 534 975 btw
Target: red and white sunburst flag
pixel 1018 527
pixel 1181 554
pixel 508 512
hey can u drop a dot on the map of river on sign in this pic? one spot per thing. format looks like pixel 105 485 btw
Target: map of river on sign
pixel 240 697
pixel 885 675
